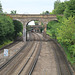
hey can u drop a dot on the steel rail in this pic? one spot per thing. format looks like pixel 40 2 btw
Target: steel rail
pixel 27 61
pixel 36 59
pixel 7 62
pixel 34 62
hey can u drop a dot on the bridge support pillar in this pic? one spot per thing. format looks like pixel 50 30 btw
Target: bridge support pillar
pixel 24 35
pixel 44 33
pixel 24 32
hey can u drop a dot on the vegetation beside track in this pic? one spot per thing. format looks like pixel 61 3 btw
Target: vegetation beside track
pixel 9 30
pixel 6 43
pixel 63 30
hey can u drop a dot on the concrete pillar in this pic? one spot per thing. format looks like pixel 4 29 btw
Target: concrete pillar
pixel 45 28
pixel 24 32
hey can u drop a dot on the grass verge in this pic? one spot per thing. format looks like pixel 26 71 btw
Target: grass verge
pixel 6 43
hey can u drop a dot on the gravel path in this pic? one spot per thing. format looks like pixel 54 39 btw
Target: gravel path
pixel 46 64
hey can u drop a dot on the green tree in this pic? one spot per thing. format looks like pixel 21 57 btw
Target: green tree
pixel 13 12
pixel 18 27
pixel 56 3
pixel 70 8
pixel 64 32
pixel 66 35
pixel 6 28
pixel 52 25
pixel 1 8
pixel 45 13
pixel 36 22
pixel 60 8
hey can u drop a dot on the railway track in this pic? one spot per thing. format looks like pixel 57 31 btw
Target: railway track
pixel 20 60
pixel 36 55
pixel 24 61
pixel 62 66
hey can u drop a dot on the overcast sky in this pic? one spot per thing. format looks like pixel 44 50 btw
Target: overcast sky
pixel 28 6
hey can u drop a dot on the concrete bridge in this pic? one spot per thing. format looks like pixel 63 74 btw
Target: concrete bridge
pixel 26 18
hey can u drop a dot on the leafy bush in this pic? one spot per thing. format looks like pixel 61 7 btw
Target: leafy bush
pixel 19 34
pixel 6 28
pixel 18 27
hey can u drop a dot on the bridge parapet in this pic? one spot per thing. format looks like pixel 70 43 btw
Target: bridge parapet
pixel 30 16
